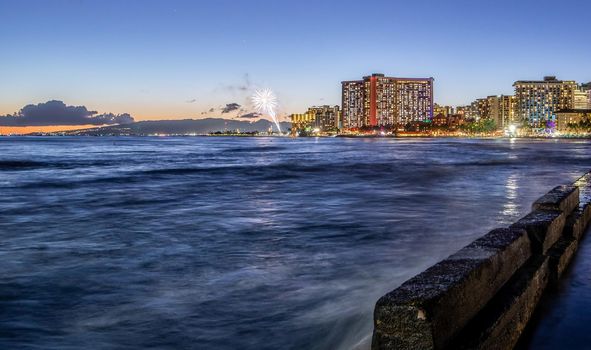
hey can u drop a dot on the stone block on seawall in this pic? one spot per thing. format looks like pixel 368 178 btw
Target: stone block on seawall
pixel 561 254
pixel 584 185
pixel 576 223
pixel 544 228
pixel 502 321
pixel 426 311
pixel 563 198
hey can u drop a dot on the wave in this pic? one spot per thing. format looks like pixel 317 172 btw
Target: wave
pixel 12 165
pixel 20 164
pixel 489 162
pixel 258 149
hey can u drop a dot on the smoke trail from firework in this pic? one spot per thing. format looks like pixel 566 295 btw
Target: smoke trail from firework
pixel 265 102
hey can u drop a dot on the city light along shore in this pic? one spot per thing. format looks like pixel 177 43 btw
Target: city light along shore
pixel 380 106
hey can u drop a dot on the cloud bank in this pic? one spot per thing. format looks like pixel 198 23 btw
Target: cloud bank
pixel 250 115
pixel 230 107
pixel 58 113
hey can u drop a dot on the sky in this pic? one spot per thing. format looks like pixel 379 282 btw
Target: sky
pixel 173 59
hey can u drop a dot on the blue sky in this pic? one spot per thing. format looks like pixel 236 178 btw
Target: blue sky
pixel 175 59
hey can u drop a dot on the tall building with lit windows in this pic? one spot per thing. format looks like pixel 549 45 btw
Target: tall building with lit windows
pixel 587 88
pixel 443 110
pixel 507 110
pixel 327 117
pixel 581 99
pixel 499 108
pixel 352 110
pixel 324 118
pixel 377 100
pixel 538 101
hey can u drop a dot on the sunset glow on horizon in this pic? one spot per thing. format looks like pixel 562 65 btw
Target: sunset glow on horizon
pixel 188 60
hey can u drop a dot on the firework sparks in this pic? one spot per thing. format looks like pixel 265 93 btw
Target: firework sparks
pixel 265 102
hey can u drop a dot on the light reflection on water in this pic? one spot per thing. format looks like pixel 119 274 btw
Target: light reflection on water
pixel 510 208
pixel 250 243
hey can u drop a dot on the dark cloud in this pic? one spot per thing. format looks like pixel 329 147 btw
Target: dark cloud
pixel 230 107
pixel 110 119
pixel 250 115
pixel 57 113
pixel 211 110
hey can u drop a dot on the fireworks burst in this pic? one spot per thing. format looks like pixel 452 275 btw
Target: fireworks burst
pixel 265 102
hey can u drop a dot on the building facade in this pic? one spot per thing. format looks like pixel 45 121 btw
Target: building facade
pixel 327 118
pixel 443 110
pixel 566 119
pixel 538 101
pixel 439 120
pixel 377 100
pixel 353 99
pixel 302 121
pixel 581 99
pixel 323 118
pixel 508 111
pixel 499 108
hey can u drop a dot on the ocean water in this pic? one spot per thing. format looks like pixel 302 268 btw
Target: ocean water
pixel 242 243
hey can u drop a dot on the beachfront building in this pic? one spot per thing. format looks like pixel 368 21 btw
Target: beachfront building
pixel 302 121
pixel 538 101
pixel 581 99
pixel 439 120
pixel 378 100
pixel 499 108
pixel 507 110
pixel 326 118
pixel 443 110
pixel 353 98
pixel 317 118
pixel 567 120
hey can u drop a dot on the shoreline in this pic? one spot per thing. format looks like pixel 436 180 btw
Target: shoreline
pixel 586 137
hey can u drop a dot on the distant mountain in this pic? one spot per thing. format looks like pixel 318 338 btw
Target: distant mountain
pixel 182 127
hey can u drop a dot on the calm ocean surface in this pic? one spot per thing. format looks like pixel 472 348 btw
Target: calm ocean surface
pixel 242 243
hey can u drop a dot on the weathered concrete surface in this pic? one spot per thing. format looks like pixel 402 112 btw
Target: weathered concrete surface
pixel 576 222
pixel 544 228
pixel 483 296
pixel 563 198
pixel 504 318
pixel 563 316
pixel 561 255
pixel 429 309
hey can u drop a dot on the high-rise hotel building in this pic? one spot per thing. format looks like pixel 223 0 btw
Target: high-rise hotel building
pixel 538 101
pixel 352 102
pixel 385 101
pixel 327 117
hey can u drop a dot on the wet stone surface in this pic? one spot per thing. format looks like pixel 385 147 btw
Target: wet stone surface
pixel 584 184
pixel 502 321
pixel 441 300
pixel 576 222
pixel 561 255
pixel 563 315
pixel 562 198
pixel 544 228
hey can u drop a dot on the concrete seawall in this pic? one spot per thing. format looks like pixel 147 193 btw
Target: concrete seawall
pixel 483 296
